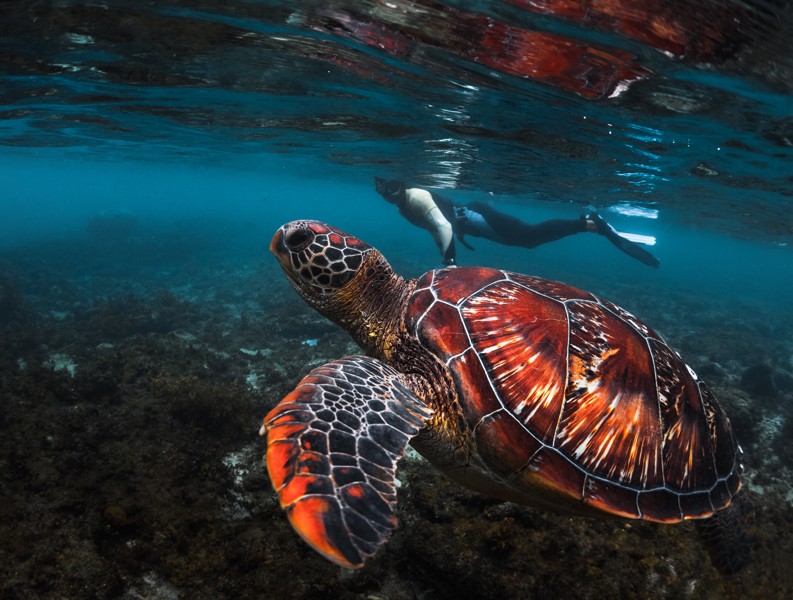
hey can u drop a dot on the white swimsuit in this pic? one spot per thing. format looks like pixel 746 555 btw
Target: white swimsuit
pixel 422 207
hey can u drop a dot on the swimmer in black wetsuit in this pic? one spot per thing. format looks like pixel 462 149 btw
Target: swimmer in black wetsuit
pixel 445 219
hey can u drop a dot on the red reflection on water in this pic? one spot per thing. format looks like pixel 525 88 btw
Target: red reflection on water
pixel 403 28
pixel 696 31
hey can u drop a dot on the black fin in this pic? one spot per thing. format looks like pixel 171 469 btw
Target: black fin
pixel 461 237
pixel 630 248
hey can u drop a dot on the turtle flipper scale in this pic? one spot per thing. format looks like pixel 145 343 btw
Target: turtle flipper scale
pixel 332 448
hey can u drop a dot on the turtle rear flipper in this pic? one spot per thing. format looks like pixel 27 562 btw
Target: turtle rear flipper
pixel 725 537
pixel 332 448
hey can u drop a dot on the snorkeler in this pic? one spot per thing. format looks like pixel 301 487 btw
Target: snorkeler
pixel 444 219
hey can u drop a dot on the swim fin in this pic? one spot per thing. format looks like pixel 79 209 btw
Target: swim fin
pixel 638 238
pixel 463 242
pixel 622 241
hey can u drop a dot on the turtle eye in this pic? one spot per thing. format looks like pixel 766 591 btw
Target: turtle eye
pixel 297 240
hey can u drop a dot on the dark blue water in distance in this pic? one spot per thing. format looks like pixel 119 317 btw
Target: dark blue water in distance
pixel 149 151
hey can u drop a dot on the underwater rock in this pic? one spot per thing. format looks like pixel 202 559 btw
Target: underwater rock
pixel 115 517
pixel 759 379
pixel 709 370
pixel 782 444
pixel 14 310
pixel 744 418
pixel 784 382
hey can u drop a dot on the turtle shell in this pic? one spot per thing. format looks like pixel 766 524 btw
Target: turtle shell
pixel 571 401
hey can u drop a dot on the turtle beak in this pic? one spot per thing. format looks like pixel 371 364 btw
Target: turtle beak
pixel 282 254
pixel 278 247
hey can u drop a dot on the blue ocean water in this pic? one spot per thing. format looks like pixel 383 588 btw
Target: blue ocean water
pixel 149 152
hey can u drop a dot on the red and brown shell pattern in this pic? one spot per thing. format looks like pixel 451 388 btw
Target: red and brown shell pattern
pixel 569 397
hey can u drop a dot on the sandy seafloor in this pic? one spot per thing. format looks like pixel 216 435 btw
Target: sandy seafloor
pixel 135 373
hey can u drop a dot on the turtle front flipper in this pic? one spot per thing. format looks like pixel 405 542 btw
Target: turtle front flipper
pixel 332 448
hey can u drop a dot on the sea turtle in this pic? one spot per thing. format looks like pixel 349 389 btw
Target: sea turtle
pixel 521 388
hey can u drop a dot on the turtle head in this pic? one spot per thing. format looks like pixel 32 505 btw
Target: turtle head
pixel 319 260
pixel 343 278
